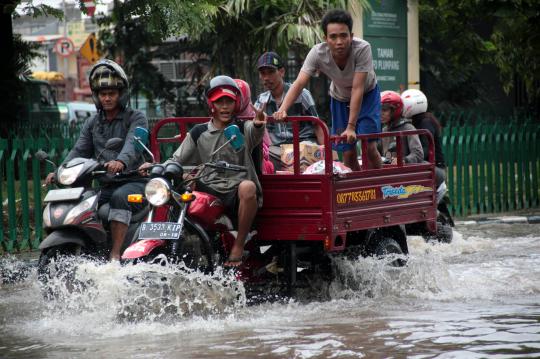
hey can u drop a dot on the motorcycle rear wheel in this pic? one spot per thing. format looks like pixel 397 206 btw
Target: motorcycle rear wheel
pixel 445 233
pixel 386 246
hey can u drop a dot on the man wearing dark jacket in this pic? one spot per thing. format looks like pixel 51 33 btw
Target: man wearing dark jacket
pixel 109 85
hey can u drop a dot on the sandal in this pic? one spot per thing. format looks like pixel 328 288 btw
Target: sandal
pixel 233 262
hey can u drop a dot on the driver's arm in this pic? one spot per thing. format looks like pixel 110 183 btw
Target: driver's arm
pixel 416 154
pixel 187 153
pixel 129 156
pixel 84 147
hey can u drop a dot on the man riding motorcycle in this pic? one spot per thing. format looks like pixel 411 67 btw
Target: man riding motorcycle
pixel 415 106
pixel 240 192
pixel 110 92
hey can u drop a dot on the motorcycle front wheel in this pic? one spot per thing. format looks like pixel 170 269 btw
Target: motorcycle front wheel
pixel 195 250
pixel 56 270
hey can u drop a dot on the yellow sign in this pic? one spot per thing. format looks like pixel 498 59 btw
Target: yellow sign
pixel 89 49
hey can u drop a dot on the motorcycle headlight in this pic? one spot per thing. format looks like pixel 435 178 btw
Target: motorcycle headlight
pixel 47 215
pixel 68 175
pixel 157 192
pixel 80 208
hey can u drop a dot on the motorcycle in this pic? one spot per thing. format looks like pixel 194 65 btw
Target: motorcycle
pixel 184 225
pixel 445 222
pixel 74 224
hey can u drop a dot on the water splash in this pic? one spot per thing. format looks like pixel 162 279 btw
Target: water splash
pixel 13 270
pixel 142 292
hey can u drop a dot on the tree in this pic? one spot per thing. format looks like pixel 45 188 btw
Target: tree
pixel 255 26
pixel 126 37
pixel 232 33
pixel 459 39
pixel 516 47
pixel 16 56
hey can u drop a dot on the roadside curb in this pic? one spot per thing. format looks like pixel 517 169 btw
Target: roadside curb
pixel 499 220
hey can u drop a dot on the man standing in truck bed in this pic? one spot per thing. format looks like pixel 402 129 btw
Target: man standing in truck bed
pixel 355 96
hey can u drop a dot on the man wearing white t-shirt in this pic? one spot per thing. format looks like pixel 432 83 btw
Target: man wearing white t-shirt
pixel 354 92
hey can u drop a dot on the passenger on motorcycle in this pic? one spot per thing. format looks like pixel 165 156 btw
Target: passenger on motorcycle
pixel 240 192
pixel 415 106
pixel 271 73
pixel 110 92
pixel 392 121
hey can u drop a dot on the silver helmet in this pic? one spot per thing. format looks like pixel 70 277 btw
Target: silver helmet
pixel 107 74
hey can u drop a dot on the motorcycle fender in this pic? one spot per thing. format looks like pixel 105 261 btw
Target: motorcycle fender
pixel 63 236
pixel 142 248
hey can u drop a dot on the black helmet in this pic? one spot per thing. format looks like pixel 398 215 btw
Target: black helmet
pixel 228 87
pixel 107 74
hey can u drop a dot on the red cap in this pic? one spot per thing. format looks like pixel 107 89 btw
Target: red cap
pixel 220 92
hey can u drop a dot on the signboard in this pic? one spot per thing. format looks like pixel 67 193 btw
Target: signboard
pixel 76 32
pixel 89 49
pixel 390 62
pixel 385 28
pixel 64 47
pixel 387 18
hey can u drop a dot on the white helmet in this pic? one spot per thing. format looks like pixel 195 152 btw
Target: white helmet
pixel 414 102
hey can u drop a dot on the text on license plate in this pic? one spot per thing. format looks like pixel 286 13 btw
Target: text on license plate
pixel 160 230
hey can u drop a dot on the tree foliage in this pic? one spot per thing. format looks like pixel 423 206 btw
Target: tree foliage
pixel 16 56
pixel 230 33
pixel 460 38
pixel 255 26
pixel 516 45
pixel 128 35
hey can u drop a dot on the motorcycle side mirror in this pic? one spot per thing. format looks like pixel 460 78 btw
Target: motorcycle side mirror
pixel 114 144
pixel 41 155
pixel 140 141
pixel 234 137
pixel 140 138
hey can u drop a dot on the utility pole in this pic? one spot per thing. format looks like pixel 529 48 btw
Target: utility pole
pixel 66 70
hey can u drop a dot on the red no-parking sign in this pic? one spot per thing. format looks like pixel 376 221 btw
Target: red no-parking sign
pixel 64 47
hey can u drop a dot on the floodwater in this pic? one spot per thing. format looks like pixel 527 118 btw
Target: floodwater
pixel 477 297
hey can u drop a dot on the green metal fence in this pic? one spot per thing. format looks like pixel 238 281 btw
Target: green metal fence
pixel 493 166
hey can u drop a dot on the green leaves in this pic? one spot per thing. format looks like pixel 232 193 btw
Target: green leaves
pixel 459 39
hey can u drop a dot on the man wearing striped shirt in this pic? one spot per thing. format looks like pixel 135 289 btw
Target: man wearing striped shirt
pixel 271 73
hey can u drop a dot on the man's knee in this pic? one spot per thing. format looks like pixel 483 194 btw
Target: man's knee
pixel 119 200
pixel 247 190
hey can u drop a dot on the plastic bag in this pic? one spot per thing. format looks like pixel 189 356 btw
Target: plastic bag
pixel 318 168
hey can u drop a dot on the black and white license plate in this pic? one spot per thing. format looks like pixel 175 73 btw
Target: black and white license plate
pixel 64 194
pixel 160 230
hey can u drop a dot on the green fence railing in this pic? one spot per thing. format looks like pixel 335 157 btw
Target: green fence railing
pixel 21 189
pixel 493 166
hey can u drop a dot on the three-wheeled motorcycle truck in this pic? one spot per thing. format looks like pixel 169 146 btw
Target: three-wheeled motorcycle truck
pixel 306 218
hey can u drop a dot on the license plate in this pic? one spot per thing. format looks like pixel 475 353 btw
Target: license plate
pixel 160 230
pixel 64 194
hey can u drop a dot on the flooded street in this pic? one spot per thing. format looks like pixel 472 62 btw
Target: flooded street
pixel 475 298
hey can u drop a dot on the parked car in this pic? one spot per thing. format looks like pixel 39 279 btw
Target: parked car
pixel 76 112
pixel 38 103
